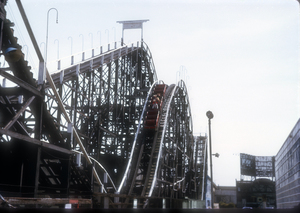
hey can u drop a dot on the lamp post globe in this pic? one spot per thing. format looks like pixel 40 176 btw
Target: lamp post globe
pixel 209 114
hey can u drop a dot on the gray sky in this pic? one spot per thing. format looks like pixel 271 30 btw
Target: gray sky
pixel 240 59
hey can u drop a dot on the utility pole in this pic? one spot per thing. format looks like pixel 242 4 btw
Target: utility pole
pixel 210 115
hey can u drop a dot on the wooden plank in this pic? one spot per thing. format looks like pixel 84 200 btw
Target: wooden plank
pixel 46 201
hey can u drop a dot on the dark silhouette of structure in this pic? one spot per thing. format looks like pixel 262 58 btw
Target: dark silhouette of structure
pixel 88 135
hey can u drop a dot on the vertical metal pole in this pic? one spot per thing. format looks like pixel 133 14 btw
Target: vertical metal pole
pixel 211 173
pixel 142 40
pixel 46 54
pixel 210 115
pixel 122 39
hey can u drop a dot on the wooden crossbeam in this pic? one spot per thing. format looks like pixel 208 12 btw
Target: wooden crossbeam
pixel 21 83
pixel 34 141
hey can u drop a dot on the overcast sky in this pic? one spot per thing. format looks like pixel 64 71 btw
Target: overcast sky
pixel 239 58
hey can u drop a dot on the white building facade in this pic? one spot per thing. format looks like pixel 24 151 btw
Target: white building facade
pixel 287 171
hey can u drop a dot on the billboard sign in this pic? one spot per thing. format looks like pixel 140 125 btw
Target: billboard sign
pixel 247 164
pixel 257 166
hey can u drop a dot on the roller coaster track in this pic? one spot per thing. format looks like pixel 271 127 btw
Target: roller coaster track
pixel 160 145
pixel 97 108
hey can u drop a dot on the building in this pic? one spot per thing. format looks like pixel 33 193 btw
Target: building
pixel 225 195
pixel 287 171
pixel 257 186
pixel 259 193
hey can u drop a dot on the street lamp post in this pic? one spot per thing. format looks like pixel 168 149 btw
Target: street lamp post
pixel 91 34
pixel 82 47
pixel 100 42
pixel 72 57
pixel 210 115
pixel 47 31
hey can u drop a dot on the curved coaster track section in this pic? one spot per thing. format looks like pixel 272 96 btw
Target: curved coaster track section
pixel 104 128
pixel 162 157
